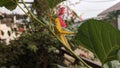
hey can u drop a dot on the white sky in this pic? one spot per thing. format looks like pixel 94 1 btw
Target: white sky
pixel 86 8
pixel 91 8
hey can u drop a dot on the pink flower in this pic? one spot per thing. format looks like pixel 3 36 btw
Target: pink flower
pixel 62 11
pixel 62 23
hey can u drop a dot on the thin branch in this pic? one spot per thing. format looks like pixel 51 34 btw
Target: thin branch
pixel 26 2
pixel 22 9
pixel 33 14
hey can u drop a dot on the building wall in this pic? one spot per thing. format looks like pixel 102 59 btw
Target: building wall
pixel 7 24
pixel 4 28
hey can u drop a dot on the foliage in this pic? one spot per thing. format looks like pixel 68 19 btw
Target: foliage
pixel 43 7
pixel 53 3
pixel 112 17
pixel 32 49
pixel 9 4
pixel 37 47
pixel 8 54
pixel 100 38
pixel 112 64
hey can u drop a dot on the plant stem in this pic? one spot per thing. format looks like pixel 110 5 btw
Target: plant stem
pixel 22 9
pixel 33 16
pixel 71 51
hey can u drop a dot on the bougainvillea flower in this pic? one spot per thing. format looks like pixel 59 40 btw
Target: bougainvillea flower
pixel 21 29
pixel 62 23
pixel 62 11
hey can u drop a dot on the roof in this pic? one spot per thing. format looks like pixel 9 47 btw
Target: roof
pixel 113 8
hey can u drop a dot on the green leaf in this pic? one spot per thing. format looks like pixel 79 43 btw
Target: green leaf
pixel 100 38
pixel 53 3
pixel 32 47
pixel 9 4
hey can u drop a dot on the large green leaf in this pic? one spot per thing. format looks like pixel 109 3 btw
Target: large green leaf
pixel 9 4
pixel 53 3
pixel 100 38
